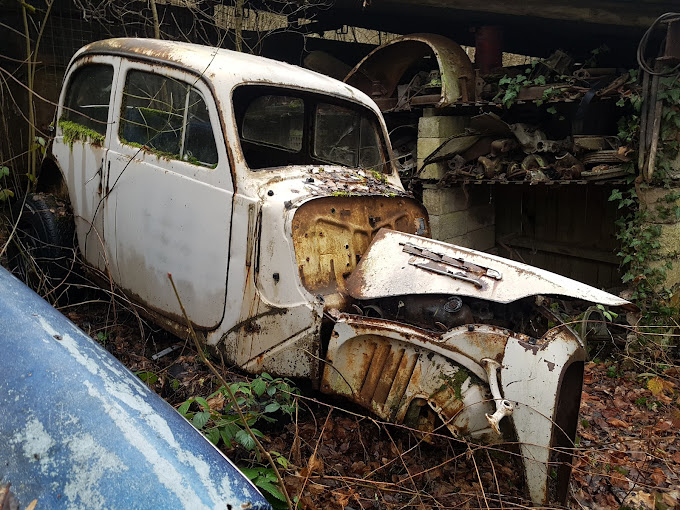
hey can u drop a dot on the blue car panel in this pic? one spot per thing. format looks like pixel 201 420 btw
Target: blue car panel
pixel 79 430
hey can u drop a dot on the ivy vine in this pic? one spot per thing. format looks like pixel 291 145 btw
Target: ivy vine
pixel 646 263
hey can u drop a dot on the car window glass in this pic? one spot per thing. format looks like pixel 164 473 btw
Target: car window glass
pixel 275 120
pixel 167 116
pixel 337 134
pixel 199 144
pixel 88 96
pixel 153 111
pixel 345 136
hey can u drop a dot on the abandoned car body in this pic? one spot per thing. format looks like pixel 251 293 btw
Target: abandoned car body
pixel 270 194
pixel 79 430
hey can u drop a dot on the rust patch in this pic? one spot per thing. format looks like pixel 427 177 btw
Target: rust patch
pixel 331 234
pixel 379 74
pixel 551 365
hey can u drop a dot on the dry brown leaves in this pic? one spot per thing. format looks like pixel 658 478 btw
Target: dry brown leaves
pixel 630 449
pixel 628 456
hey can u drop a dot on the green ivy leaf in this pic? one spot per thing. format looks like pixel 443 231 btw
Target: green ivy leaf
pixel 203 403
pixel 271 489
pixel 213 435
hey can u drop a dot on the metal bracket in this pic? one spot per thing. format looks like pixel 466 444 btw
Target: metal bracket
pixel 461 264
pixel 446 272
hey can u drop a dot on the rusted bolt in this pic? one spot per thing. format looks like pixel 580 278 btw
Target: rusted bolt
pixel 270 193
pixel 276 277
pixel 471 327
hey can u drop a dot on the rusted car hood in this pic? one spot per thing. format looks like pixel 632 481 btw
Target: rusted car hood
pixel 296 185
pixel 400 264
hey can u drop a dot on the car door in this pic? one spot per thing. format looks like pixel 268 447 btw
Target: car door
pixel 80 147
pixel 169 194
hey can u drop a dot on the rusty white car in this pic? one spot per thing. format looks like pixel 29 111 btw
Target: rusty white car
pixel 270 194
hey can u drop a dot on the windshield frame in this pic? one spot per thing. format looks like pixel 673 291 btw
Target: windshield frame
pixel 243 94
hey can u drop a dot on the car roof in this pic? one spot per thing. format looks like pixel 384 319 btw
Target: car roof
pixel 223 67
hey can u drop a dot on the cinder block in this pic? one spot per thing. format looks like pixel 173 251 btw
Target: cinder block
pixel 440 201
pixel 669 239
pixel 433 171
pixel 427 146
pixel 482 239
pixel 480 216
pixel 441 127
pixel 449 225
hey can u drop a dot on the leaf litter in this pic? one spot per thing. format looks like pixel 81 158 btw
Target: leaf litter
pixel 627 456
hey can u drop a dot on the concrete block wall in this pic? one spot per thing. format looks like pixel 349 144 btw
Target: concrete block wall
pixel 655 200
pixel 464 216
pixel 432 132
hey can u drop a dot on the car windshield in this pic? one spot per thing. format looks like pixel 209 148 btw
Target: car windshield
pixel 279 127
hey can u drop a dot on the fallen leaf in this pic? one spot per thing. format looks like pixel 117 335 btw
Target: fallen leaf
pixel 615 422
pixel 655 385
pixel 216 403
pixel 658 477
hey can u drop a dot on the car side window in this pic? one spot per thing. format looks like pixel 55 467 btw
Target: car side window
pixel 88 96
pixel 167 116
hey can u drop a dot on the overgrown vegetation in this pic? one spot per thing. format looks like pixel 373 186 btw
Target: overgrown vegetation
pixel 263 400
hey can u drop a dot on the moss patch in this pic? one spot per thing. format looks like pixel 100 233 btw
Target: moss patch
pixel 456 382
pixel 74 132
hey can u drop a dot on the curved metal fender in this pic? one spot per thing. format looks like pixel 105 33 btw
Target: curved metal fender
pixel 544 381
pixel 81 431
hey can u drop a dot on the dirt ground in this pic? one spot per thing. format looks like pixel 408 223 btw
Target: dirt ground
pixel 628 452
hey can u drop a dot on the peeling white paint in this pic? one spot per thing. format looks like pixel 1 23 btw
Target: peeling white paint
pixel 35 443
pixel 121 402
pixel 89 463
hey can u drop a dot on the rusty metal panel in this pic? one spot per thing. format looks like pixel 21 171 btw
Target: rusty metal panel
pixel 398 264
pixel 332 234
pixel 379 73
pixel 403 373
pixel 378 365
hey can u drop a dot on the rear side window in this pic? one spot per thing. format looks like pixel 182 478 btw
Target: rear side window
pixel 88 96
pixel 167 116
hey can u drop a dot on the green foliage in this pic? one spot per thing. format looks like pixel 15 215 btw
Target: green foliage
pixel 101 337
pixel 509 88
pixel 147 376
pixel 265 480
pixel 259 400
pixel 669 139
pixel 608 314
pixel 645 267
pixel 5 193
pixel 74 132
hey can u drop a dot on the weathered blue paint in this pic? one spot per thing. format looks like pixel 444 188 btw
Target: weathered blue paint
pixel 78 430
